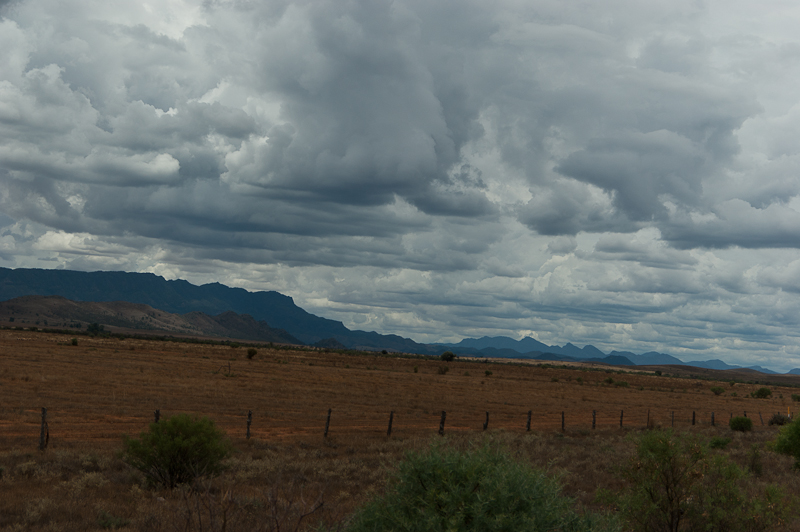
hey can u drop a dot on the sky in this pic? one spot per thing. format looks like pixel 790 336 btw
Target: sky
pixel 621 173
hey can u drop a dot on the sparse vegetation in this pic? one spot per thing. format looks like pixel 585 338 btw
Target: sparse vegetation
pixel 443 370
pixel 779 419
pixel 717 390
pixel 251 352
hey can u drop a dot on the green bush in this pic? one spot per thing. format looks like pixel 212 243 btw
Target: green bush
pixel 74 341
pixel 742 424
pixel 448 356
pixel 788 442
pixel 177 450
pixel 251 352
pixel 481 489
pixel 675 484
pixel 762 393
pixel 443 370
pixel 488 373
pixel 718 442
pixel 795 397
pixel 718 390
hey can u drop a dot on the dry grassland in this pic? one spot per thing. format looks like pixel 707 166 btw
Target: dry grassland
pixel 104 388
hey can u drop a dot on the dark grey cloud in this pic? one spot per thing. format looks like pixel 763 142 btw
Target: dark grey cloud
pixel 587 173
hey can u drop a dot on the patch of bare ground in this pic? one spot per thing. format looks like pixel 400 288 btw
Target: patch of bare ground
pixel 104 388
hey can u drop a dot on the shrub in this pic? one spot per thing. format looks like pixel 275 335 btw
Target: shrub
pixel 675 484
pixel 448 356
pixel 488 373
pixel 481 489
pixel 658 372
pixel 742 424
pixel 416 369
pixel 779 419
pixel 718 442
pixel 717 390
pixel 74 341
pixel 609 380
pixel 762 393
pixel 177 450
pixel 788 442
pixel 795 397
pixel 251 352
pixel 443 370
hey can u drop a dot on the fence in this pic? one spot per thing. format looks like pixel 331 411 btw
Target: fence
pixel 238 426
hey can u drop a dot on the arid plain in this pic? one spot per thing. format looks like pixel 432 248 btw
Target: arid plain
pixel 104 387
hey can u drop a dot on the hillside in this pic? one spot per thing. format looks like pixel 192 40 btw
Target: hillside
pixel 58 312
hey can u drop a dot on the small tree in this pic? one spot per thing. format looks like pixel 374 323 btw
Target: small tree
pixel 251 353
pixel 448 356
pixel 178 450
pixel 717 390
pixel 788 442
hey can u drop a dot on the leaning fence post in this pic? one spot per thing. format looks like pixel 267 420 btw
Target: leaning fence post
pixel 761 418
pixel 594 418
pixel 44 435
pixel 486 423
pixel 441 423
pixel 157 415
pixel 249 420
pixel 528 424
pixel 391 418
pixel 327 423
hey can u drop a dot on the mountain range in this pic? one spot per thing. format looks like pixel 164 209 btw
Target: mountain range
pixel 219 310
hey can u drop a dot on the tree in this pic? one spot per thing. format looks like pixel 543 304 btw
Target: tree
pixel 448 356
pixel 177 450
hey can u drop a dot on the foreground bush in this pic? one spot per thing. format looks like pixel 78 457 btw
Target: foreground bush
pixel 676 484
pixel 178 450
pixel 479 490
pixel 788 442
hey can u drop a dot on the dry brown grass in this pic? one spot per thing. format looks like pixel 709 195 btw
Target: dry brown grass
pixel 103 388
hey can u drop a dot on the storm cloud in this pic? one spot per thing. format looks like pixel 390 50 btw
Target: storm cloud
pixel 623 174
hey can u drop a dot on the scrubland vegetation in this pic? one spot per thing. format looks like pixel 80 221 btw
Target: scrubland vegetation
pixel 288 477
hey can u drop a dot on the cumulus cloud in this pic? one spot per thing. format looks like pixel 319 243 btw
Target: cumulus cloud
pixel 593 173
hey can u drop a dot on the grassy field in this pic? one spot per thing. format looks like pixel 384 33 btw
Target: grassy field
pixel 105 388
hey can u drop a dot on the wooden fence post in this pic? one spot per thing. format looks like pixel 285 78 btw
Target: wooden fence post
pixel 486 423
pixel 594 419
pixel 621 412
pixel 673 418
pixel 693 414
pixel 562 421
pixel 157 415
pixel 761 418
pixel 745 413
pixel 712 419
pixel 648 418
pixel 441 423
pixel 44 435
pixel 391 418
pixel 528 424
pixel 249 420
pixel 327 424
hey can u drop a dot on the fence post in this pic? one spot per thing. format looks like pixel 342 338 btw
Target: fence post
pixel 594 419
pixel 761 418
pixel 486 423
pixel 391 418
pixel 693 413
pixel 528 424
pixel 648 418
pixel 673 419
pixel 441 423
pixel 745 413
pixel 327 424
pixel 157 415
pixel 621 412
pixel 712 419
pixel 249 420
pixel 562 421
pixel 44 435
